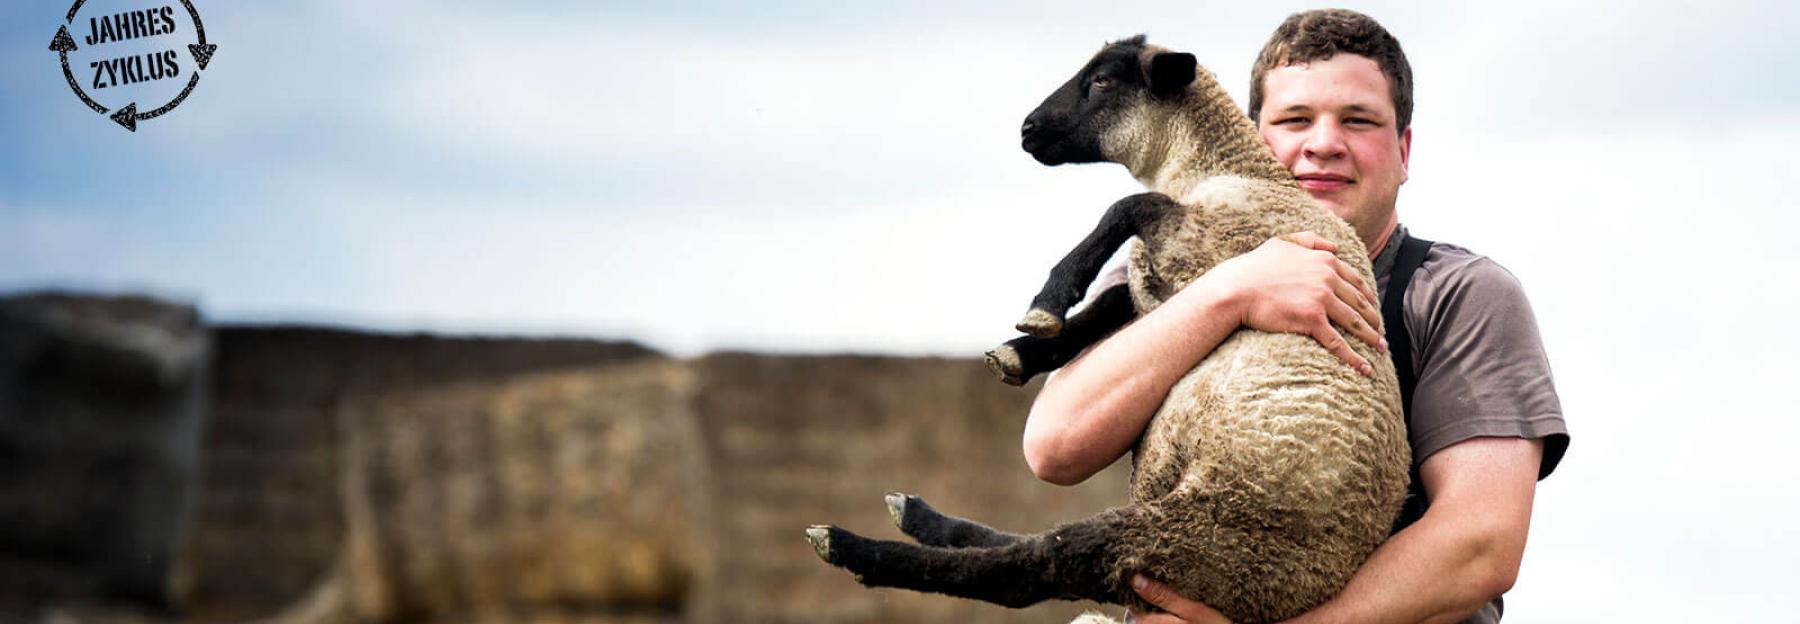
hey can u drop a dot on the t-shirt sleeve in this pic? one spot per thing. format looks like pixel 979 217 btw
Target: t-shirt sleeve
pixel 1482 368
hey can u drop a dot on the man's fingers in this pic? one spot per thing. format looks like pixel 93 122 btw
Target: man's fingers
pixel 1356 280
pixel 1133 617
pixel 1335 342
pixel 1366 299
pixel 1179 609
pixel 1356 315
pixel 1310 240
pixel 1357 292
pixel 1151 591
pixel 1157 594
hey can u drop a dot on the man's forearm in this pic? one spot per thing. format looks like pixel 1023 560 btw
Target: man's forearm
pixel 1090 412
pixel 1427 573
pixel 1463 553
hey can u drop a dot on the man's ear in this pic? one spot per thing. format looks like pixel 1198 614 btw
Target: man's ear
pixel 1171 73
pixel 1405 153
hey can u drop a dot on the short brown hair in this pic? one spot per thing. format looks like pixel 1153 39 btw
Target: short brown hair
pixel 1321 34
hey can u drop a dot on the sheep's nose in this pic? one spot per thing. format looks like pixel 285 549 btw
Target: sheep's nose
pixel 1029 126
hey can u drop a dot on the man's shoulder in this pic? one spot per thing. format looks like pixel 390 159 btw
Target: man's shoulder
pixel 1464 302
pixel 1453 269
pixel 1483 367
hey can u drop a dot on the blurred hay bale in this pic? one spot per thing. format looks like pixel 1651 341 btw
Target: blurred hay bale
pixel 558 495
pixel 794 441
pixel 271 522
pixel 102 402
pixel 506 480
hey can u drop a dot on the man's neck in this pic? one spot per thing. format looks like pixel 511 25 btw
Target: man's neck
pixel 1383 256
pixel 1381 240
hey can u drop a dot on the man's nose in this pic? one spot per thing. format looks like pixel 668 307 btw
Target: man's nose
pixel 1325 141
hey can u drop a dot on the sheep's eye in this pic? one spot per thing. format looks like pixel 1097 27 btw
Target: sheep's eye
pixel 1103 82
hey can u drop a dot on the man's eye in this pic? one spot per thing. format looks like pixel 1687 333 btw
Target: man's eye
pixel 1290 121
pixel 1360 121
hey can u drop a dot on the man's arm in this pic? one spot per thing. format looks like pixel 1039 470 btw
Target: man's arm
pixel 1092 410
pixel 1462 554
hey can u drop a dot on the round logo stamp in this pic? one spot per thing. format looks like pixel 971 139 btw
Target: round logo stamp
pixel 129 53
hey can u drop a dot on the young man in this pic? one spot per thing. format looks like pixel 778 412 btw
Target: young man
pixel 1332 96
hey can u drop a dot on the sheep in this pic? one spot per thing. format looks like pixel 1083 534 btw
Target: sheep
pixel 1272 469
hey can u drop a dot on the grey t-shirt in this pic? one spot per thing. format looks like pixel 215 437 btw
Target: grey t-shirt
pixel 1481 366
pixel 1480 362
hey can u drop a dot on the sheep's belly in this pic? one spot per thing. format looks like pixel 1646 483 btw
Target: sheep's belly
pixel 1282 422
pixel 1282 469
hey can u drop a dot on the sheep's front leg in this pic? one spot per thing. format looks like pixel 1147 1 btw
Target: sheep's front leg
pixel 1022 358
pixel 1069 280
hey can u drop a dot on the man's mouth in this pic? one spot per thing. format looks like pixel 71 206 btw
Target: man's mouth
pixel 1323 181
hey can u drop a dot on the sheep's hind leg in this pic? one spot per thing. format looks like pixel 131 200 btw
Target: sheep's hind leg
pixel 1072 562
pixel 1022 358
pixel 933 528
pixel 1069 280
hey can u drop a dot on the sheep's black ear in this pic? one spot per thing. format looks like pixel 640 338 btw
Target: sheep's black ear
pixel 1171 73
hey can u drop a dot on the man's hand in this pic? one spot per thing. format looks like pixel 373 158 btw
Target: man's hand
pixel 1092 411
pixel 1295 284
pixel 1179 609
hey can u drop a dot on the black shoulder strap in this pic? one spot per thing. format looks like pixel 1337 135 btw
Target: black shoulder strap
pixel 1393 316
pixel 1393 319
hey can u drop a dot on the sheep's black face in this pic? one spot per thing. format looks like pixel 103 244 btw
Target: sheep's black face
pixel 1070 125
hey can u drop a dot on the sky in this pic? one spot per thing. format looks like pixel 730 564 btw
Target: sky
pixel 809 177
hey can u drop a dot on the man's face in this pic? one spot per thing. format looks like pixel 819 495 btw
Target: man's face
pixel 1331 123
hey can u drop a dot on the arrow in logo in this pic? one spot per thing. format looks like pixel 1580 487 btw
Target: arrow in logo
pixel 203 51
pixel 63 44
pixel 127 116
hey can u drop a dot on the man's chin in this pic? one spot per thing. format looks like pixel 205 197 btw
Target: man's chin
pixel 1333 204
